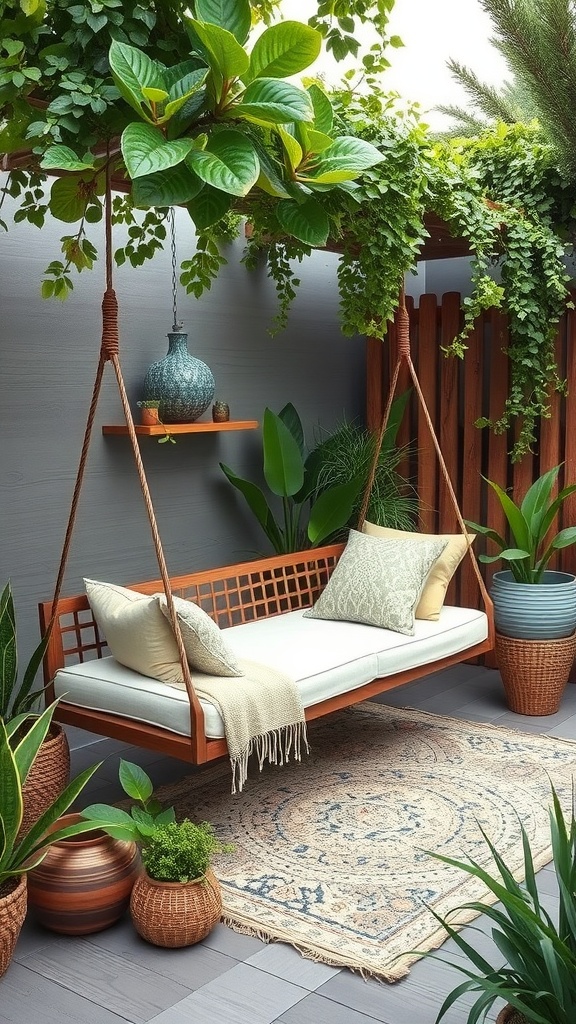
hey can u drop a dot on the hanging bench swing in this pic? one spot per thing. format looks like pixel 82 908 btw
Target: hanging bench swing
pixel 259 605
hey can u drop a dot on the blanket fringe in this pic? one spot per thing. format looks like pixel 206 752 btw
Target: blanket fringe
pixel 275 747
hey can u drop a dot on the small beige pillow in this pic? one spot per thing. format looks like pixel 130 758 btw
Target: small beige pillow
pixel 378 581
pixel 441 572
pixel 137 633
pixel 204 644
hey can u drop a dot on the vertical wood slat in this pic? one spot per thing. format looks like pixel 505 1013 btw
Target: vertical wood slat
pixel 497 459
pixel 448 432
pixel 568 452
pixel 374 382
pixel 427 472
pixel 471 498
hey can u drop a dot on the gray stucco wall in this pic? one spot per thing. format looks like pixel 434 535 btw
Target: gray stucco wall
pixel 48 356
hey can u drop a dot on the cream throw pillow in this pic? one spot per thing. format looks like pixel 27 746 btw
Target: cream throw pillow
pixel 441 573
pixel 137 633
pixel 204 644
pixel 378 581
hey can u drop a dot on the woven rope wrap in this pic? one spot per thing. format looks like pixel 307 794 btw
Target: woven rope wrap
pixel 173 914
pixel 110 334
pixel 402 330
pixel 12 914
pixel 534 672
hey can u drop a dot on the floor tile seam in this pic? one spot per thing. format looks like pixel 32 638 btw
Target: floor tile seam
pixel 117 957
pixel 152 970
pixel 55 980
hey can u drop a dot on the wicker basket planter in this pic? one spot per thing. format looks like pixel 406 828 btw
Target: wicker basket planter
pixel 173 914
pixel 534 672
pixel 47 778
pixel 13 904
pixel 509 1015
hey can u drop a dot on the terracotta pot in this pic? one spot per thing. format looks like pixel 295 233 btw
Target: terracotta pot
pixel 173 914
pixel 47 778
pixel 84 883
pixel 12 914
pixel 149 417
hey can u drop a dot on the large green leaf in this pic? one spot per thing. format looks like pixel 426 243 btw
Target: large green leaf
pixel 274 101
pixel 258 505
pixel 133 71
pixel 10 798
pixel 344 159
pixel 63 158
pixel 323 112
pixel 166 188
pixel 333 509
pixel 8 656
pixel 233 15
pixel 270 179
pixel 518 525
pixel 225 53
pixel 291 146
pixel 306 221
pixel 67 199
pixel 145 150
pixel 283 463
pixel 208 207
pixel 134 781
pixel 182 90
pixel 113 820
pixel 290 416
pixel 229 163
pixel 283 50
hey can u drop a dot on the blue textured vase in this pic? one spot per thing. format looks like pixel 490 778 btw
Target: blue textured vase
pixel 183 384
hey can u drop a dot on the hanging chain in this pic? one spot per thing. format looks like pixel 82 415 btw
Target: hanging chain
pixel 176 323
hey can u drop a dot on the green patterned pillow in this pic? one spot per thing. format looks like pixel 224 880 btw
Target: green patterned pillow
pixel 378 581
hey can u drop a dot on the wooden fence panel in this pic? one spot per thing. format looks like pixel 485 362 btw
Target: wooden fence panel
pixel 457 393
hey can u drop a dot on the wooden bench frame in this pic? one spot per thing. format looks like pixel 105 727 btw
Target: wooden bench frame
pixel 231 595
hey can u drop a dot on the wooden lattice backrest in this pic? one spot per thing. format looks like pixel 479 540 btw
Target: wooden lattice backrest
pixel 231 595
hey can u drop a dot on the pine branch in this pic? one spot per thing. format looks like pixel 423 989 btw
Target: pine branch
pixel 485 98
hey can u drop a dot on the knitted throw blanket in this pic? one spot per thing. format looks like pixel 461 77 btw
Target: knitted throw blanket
pixel 262 713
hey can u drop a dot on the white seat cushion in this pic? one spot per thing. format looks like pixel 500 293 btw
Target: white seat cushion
pixel 325 658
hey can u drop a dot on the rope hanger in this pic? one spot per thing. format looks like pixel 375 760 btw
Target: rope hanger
pixel 109 352
pixel 403 355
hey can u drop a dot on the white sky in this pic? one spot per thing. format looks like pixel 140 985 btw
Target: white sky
pixel 432 31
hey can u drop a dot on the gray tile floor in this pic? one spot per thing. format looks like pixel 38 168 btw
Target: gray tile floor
pixel 114 976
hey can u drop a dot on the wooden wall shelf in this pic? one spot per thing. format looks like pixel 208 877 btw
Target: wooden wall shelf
pixel 181 428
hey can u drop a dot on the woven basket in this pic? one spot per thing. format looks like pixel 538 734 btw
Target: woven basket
pixel 12 914
pixel 175 914
pixel 509 1015
pixel 47 778
pixel 534 672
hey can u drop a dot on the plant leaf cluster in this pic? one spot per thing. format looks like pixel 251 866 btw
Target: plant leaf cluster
pixel 537 977
pixel 181 851
pixel 19 854
pixel 320 491
pixel 140 822
pixel 16 700
pixel 530 522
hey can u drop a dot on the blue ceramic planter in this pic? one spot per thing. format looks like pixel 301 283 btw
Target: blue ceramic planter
pixel 183 384
pixel 535 611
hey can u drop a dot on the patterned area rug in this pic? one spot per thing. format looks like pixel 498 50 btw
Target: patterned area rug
pixel 330 852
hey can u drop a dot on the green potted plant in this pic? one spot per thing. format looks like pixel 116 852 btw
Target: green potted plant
pixel 531 600
pixel 534 606
pixel 176 899
pixel 50 772
pixel 18 856
pixel 537 978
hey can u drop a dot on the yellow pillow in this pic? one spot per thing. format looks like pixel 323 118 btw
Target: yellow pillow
pixel 432 597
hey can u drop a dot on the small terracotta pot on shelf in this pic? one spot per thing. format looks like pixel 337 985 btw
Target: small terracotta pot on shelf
pixel 149 415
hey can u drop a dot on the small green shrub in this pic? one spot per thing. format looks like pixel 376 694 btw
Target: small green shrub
pixel 181 852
